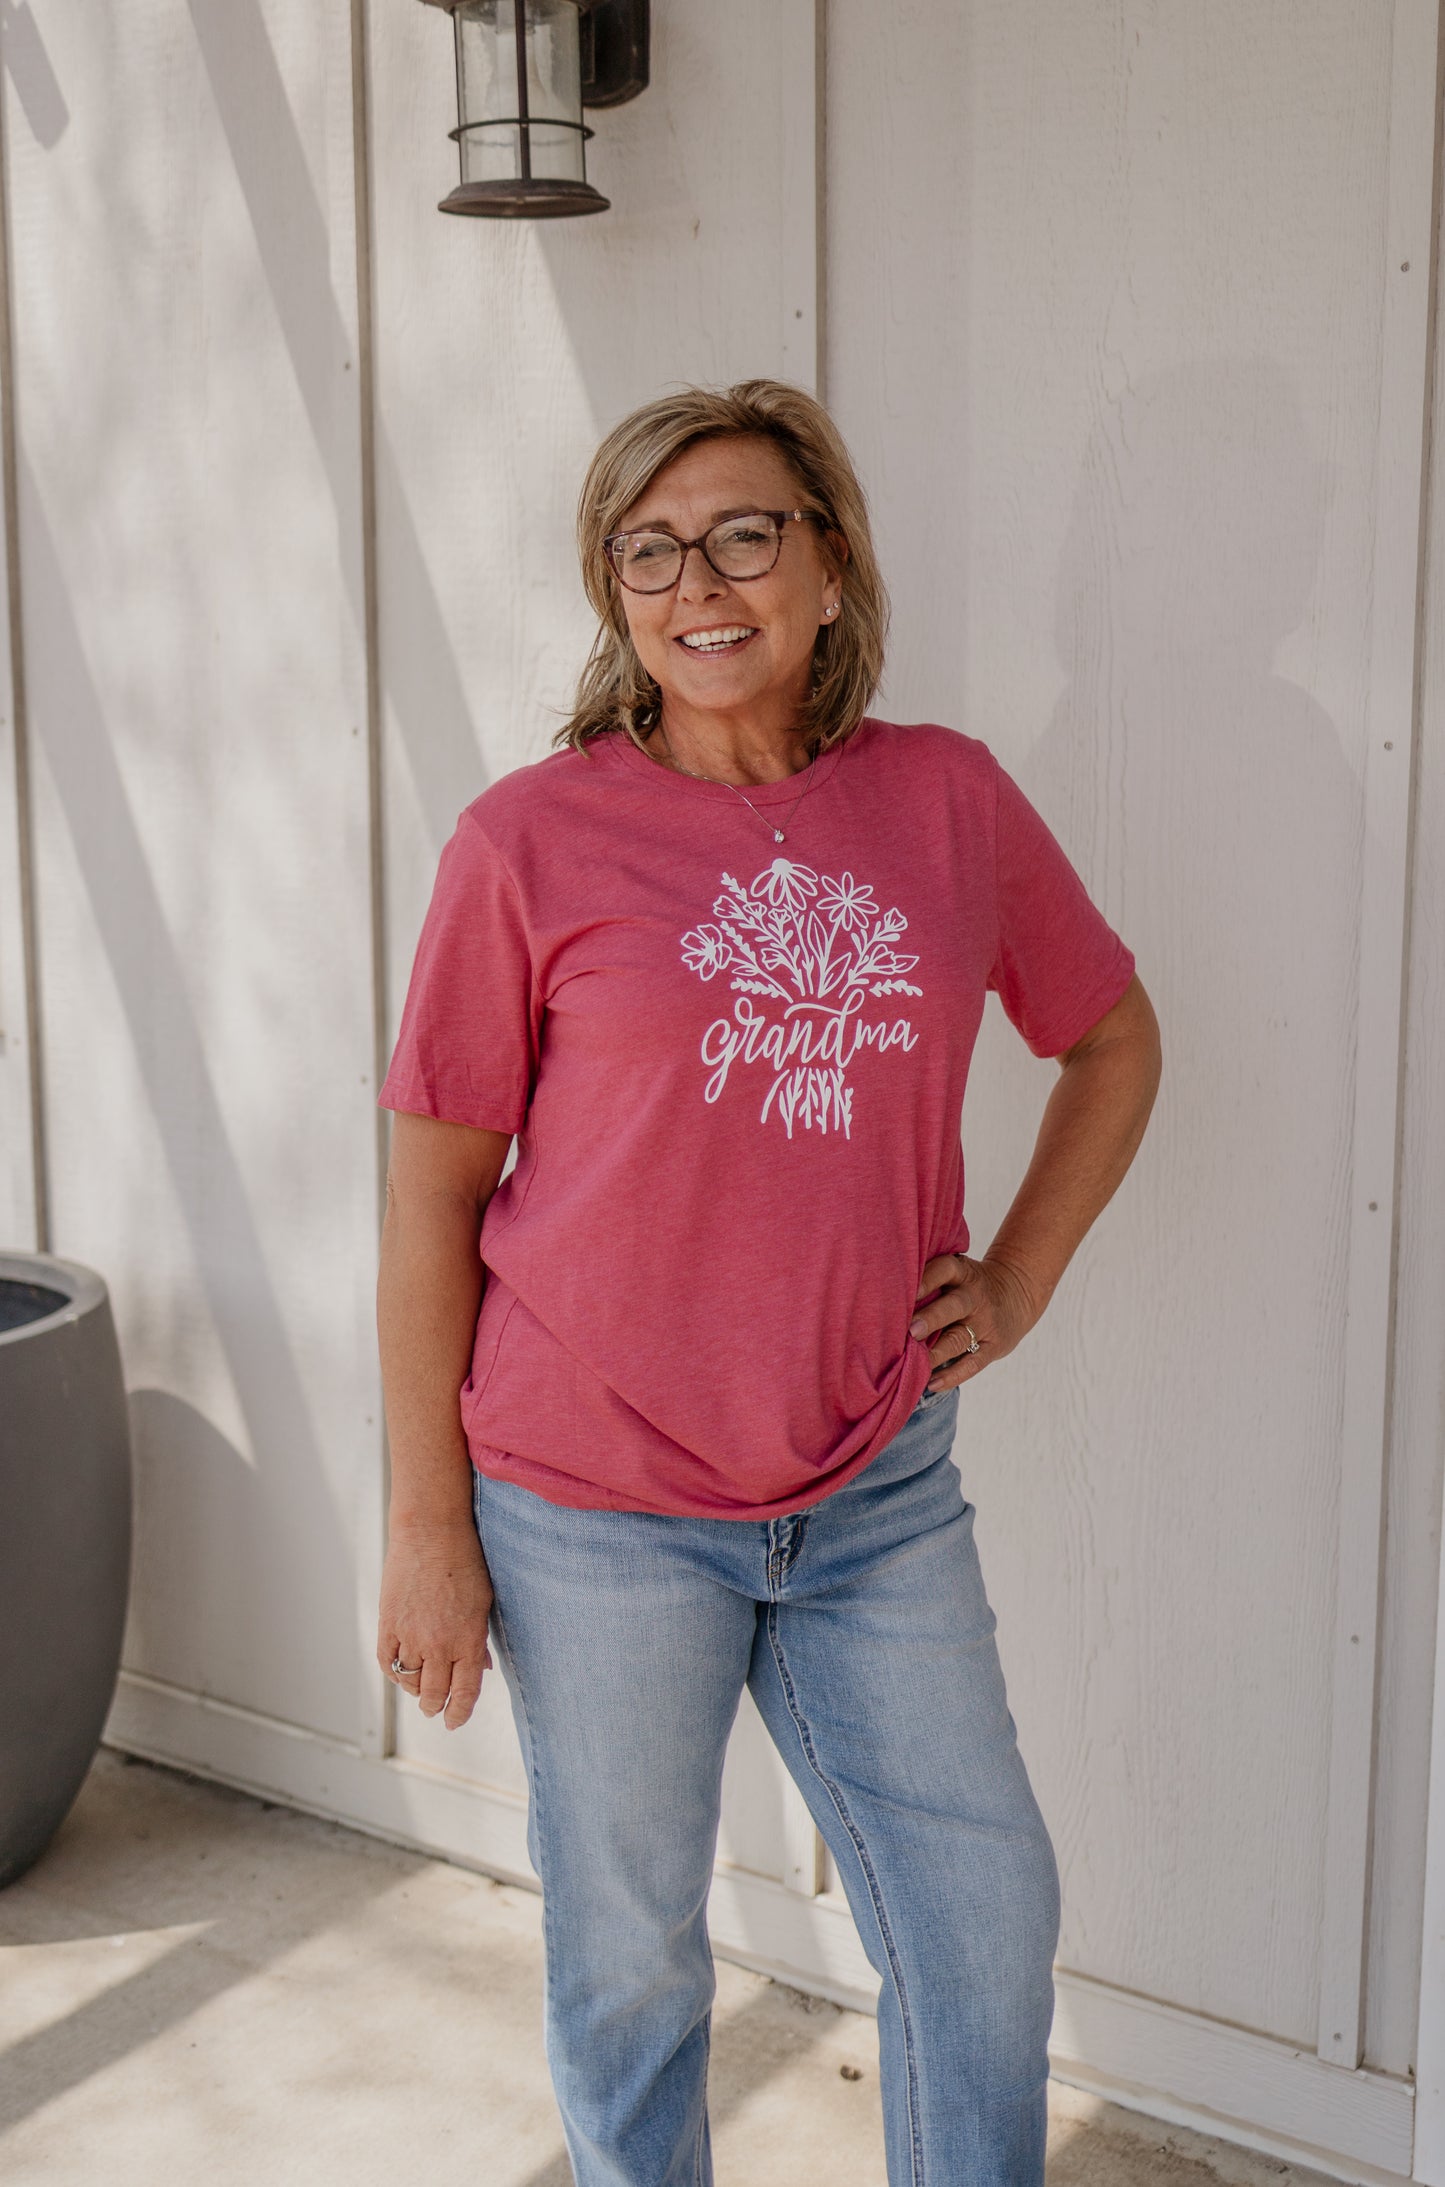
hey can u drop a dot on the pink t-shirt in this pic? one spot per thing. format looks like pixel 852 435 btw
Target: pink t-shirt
pixel 735 1068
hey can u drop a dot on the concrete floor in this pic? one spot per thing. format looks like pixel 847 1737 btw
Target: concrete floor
pixel 199 1986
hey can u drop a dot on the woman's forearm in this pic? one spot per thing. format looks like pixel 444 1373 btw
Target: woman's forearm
pixel 429 1288
pixel 1089 1134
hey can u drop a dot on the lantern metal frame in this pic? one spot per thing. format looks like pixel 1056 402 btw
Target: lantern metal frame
pixel 614 38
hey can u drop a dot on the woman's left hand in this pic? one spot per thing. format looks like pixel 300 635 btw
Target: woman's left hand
pixel 989 1297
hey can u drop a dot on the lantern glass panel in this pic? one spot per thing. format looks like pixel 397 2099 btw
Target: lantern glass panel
pixel 487 90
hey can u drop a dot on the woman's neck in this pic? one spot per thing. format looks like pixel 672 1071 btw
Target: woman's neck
pixel 722 751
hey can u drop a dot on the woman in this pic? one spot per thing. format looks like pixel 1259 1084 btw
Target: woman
pixel 718 964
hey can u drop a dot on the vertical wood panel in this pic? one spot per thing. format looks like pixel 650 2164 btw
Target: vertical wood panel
pixel 1106 296
pixel 185 358
pixel 1389 740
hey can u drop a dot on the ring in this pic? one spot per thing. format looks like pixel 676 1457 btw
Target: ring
pixel 405 1671
pixel 972 1344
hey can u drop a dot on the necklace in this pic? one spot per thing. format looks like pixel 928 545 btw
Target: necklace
pixel 774 830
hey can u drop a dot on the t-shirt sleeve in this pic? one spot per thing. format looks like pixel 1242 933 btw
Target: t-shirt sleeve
pixel 471 1024
pixel 1059 966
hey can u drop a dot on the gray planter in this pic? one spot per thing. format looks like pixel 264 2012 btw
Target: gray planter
pixel 65 1527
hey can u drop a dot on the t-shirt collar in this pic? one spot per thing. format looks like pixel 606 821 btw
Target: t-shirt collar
pixel 620 744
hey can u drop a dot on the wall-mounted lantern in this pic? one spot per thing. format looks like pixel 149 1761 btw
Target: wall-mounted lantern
pixel 525 70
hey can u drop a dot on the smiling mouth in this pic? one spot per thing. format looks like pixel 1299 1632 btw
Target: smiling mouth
pixel 708 644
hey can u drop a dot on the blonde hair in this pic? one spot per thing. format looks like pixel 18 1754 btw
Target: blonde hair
pixel 615 690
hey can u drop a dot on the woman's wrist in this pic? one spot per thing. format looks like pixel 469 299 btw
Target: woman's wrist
pixel 429 1497
pixel 1032 1285
pixel 429 1525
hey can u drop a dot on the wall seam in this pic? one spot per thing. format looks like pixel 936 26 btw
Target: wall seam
pixel 20 718
pixel 1375 1137
pixel 1428 2156
pixel 1408 939
pixel 366 398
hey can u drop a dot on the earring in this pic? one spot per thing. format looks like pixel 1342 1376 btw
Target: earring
pixel 833 610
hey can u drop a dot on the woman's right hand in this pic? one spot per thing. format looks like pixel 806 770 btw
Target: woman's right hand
pixel 436 1597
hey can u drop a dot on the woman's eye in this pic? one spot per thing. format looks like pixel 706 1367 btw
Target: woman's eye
pixel 647 550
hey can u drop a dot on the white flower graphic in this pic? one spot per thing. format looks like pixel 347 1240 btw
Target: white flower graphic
pixel 705 950
pixel 784 884
pixel 817 947
pixel 848 902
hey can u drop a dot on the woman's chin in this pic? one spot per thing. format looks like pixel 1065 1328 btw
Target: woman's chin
pixel 713 694
pixel 726 687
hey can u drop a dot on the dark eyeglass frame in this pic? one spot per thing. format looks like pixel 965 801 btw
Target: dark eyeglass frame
pixel 612 546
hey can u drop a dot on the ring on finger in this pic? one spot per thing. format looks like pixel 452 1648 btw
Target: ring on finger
pixel 405 1670
pixel 972 1345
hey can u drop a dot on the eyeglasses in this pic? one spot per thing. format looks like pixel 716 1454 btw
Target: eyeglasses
pixel 739 548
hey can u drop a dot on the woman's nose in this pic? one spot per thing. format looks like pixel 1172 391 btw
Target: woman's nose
pixel 697 578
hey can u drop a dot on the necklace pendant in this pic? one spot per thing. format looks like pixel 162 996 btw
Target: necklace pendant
pixel 777 835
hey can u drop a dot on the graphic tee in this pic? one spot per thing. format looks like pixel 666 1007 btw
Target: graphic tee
pixel 735 1069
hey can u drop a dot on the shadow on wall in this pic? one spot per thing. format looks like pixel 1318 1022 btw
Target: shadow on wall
pixel 421 680
pixel 211 1190
pixel 215 1576
pixel 36 85
pixel 189 1475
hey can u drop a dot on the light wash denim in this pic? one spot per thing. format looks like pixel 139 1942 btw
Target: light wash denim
pixel 863 1631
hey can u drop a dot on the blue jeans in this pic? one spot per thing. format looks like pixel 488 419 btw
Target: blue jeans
pixel 863 1632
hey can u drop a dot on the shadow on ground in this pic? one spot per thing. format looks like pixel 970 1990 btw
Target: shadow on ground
pixel 205 1985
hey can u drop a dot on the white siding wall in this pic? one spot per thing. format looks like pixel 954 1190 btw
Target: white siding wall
pixel 1118 392
pixel 183 282
pixel 1114 317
